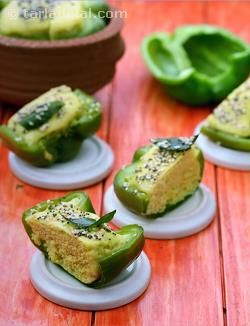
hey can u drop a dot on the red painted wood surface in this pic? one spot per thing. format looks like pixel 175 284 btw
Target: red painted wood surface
pixel 234 196
pixel 202 280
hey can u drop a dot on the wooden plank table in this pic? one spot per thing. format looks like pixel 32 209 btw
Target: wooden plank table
pixel 202 280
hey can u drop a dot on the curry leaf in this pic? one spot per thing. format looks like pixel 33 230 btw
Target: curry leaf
pixel 85 223
pixel 41 115
pixel 173 144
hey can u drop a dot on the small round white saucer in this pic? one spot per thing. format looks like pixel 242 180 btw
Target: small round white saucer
pixel 189 218
pixel 92 164
pixel 222 156
pixel 56 285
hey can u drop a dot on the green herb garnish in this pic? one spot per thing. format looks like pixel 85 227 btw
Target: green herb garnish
pixel 41 115
pixel 85 223
pixel 173 144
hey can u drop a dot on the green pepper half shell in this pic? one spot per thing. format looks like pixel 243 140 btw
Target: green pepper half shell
pixel 198 64
pixel 91 252
pixel 229 124
pixel 227 140
pixel 52 128
pixel 151 185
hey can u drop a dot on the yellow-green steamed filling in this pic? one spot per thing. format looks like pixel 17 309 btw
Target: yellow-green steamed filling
pixel 71 109
pixel 42 19
pixel 232 116
pixel 78 251
pixel 167 177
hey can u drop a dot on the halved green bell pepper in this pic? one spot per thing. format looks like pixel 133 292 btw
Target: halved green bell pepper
pixel 48 138
pixel 90 122
pixel 227 140
pixel 111 260
pixel 198 64
pixel 97 19
pixel 132 196
pixel 229 124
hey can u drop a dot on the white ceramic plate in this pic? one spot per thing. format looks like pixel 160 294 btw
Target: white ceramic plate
pixel 56 285
pixel 92 164
pixel 191 217
pixel 222 156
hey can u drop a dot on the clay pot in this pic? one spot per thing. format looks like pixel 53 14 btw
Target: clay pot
pixel 29 68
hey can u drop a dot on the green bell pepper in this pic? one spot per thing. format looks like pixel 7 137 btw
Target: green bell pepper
pixel 52 128
pixel 197 64
pixel 133 196
pixel 229 124
pixel 110 251
pixel 96 18
pixel 91 120
pixel 227 140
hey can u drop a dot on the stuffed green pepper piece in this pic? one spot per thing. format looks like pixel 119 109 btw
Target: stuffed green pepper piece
pixel 41 19
pixel 51 19
pixel 70 234
pixel 96 16
pixel 51 128
pixel 197 64
pixel 161 177
pixel 229 124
